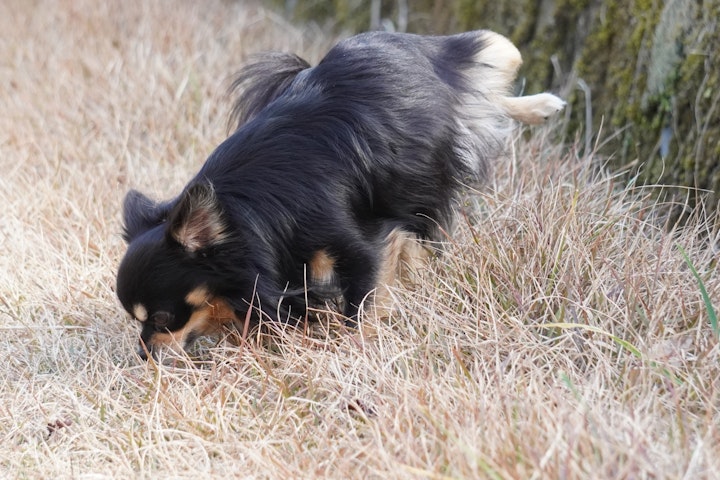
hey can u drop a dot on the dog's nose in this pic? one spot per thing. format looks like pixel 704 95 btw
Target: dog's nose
pixel 143 351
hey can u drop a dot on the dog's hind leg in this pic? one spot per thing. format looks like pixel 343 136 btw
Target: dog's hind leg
pixel 403 258
pixel 532 109
pixel 496 66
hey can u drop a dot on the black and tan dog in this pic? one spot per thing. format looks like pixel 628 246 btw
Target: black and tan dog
pixel 332 172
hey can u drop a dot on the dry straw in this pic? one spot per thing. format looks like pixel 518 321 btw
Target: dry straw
pixel 564 331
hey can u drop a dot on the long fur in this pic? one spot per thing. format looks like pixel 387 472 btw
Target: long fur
pixel 262 81
pixel 326 166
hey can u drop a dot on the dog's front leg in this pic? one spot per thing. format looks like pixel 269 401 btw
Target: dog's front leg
pixel 357 280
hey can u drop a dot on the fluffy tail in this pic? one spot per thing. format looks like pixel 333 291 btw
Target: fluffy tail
pixel 260 82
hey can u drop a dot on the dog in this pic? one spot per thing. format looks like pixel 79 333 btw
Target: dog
pixel 332 175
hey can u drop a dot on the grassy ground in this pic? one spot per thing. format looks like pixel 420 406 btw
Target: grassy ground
pixel 561 335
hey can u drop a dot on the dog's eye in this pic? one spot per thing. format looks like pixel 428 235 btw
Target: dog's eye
pixel 162 320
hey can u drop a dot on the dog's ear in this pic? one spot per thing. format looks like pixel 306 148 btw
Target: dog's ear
pixel 197 222
pixel 140 214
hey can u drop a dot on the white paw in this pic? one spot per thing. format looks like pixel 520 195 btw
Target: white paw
pixel 533 109
pixel 548 104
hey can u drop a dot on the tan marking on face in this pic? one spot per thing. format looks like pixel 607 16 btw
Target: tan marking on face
pixel 140 312
pixel 208 319
pixel 198 297
pixel 322 268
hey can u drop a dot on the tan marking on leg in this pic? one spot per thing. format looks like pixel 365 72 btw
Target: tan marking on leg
pixel 403 256
pixel 322 268
pixel 404 253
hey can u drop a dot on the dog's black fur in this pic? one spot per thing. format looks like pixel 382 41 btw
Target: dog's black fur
pixel 379 136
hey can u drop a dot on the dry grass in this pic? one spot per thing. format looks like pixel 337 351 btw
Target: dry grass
pixel 561 335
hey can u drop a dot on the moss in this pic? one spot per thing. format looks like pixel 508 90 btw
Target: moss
pixel 692 92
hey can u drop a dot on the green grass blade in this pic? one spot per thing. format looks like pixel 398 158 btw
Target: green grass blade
pixel 712 315
pixel 623 343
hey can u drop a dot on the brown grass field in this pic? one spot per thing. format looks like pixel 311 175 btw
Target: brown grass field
pixel 562 334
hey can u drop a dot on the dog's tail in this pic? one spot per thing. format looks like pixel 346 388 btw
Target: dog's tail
pixel 260 82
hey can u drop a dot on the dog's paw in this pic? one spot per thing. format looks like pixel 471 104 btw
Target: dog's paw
pixel 549 104
pixel 533 109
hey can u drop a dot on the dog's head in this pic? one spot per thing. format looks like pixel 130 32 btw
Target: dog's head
pixel 166 279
